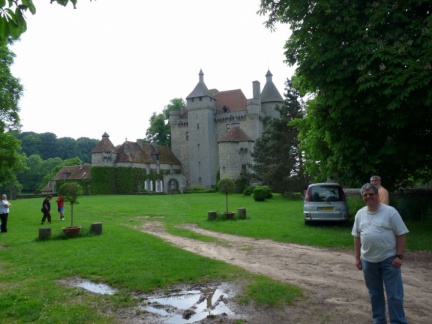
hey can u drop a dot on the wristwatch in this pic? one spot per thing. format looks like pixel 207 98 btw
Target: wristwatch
pixel 400 256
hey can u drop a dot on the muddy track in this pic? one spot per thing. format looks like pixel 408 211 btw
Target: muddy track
pixel 334 287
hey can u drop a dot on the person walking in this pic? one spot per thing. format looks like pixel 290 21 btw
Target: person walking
pixel 46 209
pixel 383 194
pixel 379 243
pixel 60 206
pixel 4 213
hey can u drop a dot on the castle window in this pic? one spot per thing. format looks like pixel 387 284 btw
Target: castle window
pixel 187 136
pixel 225 109
pixel 200 98
pixel 197 126
pixel 198 145
pixel 243 167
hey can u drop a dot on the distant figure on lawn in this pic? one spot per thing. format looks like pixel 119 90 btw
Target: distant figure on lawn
pixel 4 213
pixel 60 206
pixel 46 210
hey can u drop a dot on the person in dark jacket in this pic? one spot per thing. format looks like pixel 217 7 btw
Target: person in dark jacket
pixel 46 210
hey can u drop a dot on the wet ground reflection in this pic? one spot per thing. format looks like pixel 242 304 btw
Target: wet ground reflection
pixel 189 306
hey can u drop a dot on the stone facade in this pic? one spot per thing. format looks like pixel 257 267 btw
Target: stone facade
pixel 142 155
pixel 217 130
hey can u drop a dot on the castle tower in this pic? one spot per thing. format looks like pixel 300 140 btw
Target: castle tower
pixel 104 153
pixel 270 97
pixel 235 149
pixel 203 152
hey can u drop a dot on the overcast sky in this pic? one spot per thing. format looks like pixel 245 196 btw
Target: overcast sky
pixel 109 64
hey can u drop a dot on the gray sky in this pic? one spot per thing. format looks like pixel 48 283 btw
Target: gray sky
pixel 109 64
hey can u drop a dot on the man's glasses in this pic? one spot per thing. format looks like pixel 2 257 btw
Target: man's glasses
pixel 368 195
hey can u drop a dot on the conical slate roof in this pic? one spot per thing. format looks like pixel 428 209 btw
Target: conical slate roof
pixel 200 89
pixel 105 145
pixel 270 93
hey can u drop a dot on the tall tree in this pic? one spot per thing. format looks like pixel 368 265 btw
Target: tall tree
pixel 66 147
pixel 10 93
pixel 369 66
pixel 160 130
pixel 277 159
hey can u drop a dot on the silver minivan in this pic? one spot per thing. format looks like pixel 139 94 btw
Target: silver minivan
pixel 325 202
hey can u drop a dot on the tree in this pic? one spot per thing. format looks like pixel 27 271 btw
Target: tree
pixel 160 130
pixel 10 93
pixel 71 191
pixel 85 147
pixel 12 17
pixel 277 159
pixel 226 186
pixel 368 65
pixel 66 146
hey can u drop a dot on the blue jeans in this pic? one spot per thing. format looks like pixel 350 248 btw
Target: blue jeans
pixel 380 275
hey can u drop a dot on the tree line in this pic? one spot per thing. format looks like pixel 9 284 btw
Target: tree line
pixel 41 156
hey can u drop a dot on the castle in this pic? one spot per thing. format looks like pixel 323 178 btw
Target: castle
pixel 215 131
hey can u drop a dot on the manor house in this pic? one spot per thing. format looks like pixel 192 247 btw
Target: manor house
pixel 217 130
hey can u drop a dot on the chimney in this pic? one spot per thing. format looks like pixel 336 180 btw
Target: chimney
pixel 256 88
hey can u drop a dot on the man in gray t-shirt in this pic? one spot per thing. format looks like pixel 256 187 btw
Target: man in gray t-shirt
pixel 379 242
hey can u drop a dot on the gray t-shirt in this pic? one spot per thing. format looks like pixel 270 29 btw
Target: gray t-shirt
pixel 378 231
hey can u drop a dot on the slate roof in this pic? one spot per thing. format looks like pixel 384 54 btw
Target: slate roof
pixel 73 172
pixel 104 145
pixel 231 100
pixel 235 134
pixel 132 152
pixel 270 93
pixel 200 89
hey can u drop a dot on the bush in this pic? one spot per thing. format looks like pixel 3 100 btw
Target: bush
pixel 261 193
pixel 247 191
pixel 194 189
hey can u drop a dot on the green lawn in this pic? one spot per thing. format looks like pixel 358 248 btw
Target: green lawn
pixel 130 260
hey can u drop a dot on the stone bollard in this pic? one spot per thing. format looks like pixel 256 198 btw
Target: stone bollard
pixel 212 215
pixel 44 233
pixel 96 228
pixel 242 213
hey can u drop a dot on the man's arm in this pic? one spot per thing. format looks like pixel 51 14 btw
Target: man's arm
pixel 357 246
pixel 400 249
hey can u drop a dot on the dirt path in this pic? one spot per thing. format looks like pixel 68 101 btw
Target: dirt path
pixel 334 287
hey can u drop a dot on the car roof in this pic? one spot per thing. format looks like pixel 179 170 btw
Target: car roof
pixel 325 184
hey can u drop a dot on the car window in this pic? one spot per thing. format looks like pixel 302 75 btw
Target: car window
pixel 326 193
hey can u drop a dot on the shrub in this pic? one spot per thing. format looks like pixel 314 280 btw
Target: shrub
pixel 262 193
pixel 194 189
pixel 247 191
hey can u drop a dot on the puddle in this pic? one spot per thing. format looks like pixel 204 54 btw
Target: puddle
pixel 97 288
pixel 191 305
pixel 176 306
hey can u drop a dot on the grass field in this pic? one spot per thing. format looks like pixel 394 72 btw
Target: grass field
pixel 130 260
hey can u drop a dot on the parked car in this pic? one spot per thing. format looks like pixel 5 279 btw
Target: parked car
pixel 325 202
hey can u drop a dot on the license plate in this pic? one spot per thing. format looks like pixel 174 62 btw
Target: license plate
pixel 326 208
